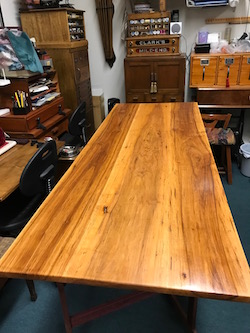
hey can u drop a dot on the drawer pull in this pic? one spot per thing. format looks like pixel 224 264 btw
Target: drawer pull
pixel 135 99
pixel 40 125
pixel 203 74
pixel 60 111
pixel 172 99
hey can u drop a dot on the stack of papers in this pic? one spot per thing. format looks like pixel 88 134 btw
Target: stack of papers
pixel 7 146
pixel 4 111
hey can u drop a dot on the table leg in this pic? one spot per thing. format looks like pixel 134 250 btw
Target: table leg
pixel 188 317
pixel 97 311
pixel 66 316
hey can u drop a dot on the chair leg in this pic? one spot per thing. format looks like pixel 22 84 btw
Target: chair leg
pixel 229 165
pixel 32 290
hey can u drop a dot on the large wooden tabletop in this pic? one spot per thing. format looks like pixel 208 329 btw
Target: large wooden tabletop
pixel 141 207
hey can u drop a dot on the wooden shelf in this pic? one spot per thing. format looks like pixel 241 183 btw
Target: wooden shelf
pixel 230 20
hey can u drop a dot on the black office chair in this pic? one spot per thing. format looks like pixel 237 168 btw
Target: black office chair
pixel 76 135
pixel 36 181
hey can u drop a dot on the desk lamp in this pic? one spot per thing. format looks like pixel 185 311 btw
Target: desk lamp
pixel 4 81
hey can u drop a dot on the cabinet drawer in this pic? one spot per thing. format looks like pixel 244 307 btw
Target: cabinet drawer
pixel 44 113
pixel 173 97
pixel 234 97
pixel 57 130
pixel 81 65
pixel 154 98
pixel 203 71
pixel 25 123
pixel 135 98
pixel 228 68
pixel 244 79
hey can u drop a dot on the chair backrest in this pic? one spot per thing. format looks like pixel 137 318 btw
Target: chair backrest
pixel 77 120
pixel 38 175
pixel 212 120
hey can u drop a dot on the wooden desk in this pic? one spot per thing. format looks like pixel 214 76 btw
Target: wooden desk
pixel 12 164
pixel 142 207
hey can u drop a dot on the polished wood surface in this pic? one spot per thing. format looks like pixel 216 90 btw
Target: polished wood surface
pixel 155 79
pixel 141 207
pixel 12 164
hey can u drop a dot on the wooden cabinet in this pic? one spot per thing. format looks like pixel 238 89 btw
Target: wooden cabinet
pixel 219 70
pixel 155 79
pixel 61 33
pixel 58 25
pixel 50 119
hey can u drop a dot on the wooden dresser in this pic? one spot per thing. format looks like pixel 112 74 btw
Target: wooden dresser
pixel 61 32
pixel 49 119
pixel 155 79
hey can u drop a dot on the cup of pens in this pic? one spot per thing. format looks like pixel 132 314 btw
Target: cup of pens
pixel 20 103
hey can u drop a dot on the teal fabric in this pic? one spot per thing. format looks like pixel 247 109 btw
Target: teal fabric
pixel 25 51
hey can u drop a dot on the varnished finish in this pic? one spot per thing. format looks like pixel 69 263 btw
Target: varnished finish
pixel 141 207
pixel 215 72
pixel 12 164
pixel 167 73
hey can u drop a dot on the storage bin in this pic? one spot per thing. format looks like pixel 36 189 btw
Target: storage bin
pixel 245 163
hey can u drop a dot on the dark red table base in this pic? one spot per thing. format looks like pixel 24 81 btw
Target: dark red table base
pixel 121 302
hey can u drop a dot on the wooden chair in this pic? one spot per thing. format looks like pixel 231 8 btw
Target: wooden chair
pixel 5 243
pixel 220 135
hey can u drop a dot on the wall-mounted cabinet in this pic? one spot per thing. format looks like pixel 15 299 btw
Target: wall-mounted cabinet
pixel 219 70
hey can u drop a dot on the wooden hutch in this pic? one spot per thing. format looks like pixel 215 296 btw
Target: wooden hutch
pixel 154 67
pixel 61 32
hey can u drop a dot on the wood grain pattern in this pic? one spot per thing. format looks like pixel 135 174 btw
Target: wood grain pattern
pixel 12 164
pixel 141 207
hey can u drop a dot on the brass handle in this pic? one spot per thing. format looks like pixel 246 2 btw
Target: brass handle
pixel 152 88
pixel 135 98
pixel 155 87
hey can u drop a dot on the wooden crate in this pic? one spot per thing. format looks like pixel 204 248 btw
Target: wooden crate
pixel 148 24
pixel 153 46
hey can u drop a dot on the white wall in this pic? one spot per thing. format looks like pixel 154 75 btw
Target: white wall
pixel 111 80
